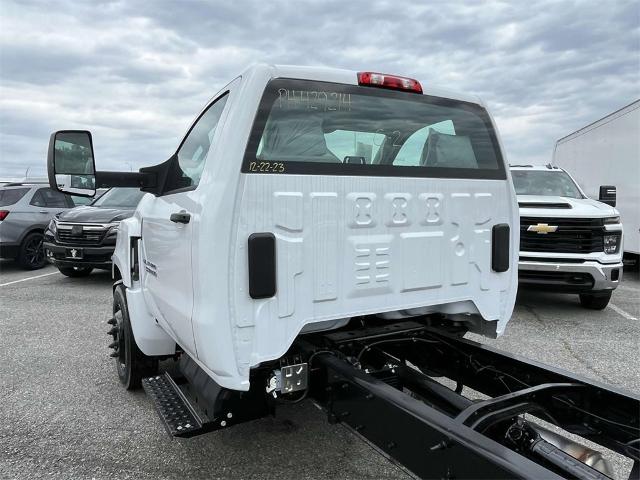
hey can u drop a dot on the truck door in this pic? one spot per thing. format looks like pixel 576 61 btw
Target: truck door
pixel 167 230
pixel 48 202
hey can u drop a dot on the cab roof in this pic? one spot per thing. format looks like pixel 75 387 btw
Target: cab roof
pixel 350 77
pixel 547 168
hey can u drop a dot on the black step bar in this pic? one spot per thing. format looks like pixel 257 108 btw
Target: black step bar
pixel 199 405
pixel 178 416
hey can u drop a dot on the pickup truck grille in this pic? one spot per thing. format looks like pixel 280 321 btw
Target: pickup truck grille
pixel 573 235
pixel 71 234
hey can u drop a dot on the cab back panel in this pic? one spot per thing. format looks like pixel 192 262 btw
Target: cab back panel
pixel 348 246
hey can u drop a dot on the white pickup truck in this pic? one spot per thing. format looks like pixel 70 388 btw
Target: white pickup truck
pixel 568 242
pixel 301 198
pixel 332 235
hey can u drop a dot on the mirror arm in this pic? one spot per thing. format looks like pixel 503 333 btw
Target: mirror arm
pixel 146 180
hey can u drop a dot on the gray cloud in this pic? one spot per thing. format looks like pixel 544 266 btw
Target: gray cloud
pixel 136 73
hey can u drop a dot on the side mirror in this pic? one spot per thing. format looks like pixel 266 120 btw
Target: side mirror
pixel 71 164
pixel 608 195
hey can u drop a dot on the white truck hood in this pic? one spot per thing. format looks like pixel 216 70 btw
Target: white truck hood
pixel 554 206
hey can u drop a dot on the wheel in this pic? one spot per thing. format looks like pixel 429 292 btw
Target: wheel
pixel 132 365
pixel 75 271
pixel 595 301
pixel 31 253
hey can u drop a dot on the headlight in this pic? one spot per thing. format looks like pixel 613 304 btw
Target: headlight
pixel 612 221
pixel 611 244
pixel 113 228
pixel 53 226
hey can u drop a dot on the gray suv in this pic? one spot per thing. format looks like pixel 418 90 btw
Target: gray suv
pixel 25 211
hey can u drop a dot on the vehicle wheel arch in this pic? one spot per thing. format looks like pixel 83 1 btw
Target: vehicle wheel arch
pixel 32 229
pixel 131 363
pixel 119 271
pixel 116 275
pixel 121 259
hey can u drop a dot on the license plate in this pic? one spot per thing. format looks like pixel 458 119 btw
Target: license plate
pixel 74 253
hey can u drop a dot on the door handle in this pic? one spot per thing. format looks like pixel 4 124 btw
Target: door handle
pixel 43 211
pixel 180 217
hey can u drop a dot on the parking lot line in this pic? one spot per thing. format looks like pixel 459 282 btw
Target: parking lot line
pixel 620 311
pixel 28 278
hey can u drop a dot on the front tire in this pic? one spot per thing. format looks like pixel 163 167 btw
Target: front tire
pixel 75 271
pixel 132 365
pixel 595 301
pixel 31 253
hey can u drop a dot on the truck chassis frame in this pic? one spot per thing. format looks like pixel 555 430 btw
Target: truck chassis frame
pixel 378 379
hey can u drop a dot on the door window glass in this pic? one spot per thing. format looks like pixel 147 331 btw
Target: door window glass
pixel 45 197
pixel 37 200
pixel 195 147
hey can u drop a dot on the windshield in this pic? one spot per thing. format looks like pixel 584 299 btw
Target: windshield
pixel 547 183
pixel 326 128
pixel 127 198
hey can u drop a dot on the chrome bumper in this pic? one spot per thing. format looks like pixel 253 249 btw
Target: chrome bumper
pixel 603 274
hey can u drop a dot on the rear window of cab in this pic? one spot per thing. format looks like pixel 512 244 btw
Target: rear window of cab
pixel 307 127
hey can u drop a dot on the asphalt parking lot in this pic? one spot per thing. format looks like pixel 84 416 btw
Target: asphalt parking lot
pixel 63 413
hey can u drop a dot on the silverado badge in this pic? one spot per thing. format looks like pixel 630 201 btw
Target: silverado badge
pixel 542 228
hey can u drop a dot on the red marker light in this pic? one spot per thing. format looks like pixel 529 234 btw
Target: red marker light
pixel 392 82
pixel 3 214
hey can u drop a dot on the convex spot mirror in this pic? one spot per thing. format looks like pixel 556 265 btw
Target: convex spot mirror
pixel 71 164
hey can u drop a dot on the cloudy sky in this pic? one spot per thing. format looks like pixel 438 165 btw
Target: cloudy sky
pixel 136 73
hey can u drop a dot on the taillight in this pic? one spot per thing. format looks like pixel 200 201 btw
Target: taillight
pixel 392 82
pixel 3 214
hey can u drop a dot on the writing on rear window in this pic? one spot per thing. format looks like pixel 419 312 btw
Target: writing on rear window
pixel 267 167
pixel 322 101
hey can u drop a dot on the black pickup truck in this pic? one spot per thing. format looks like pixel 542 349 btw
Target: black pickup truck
pixel 83 238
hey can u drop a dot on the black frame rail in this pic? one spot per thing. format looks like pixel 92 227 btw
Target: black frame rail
pixel 380 381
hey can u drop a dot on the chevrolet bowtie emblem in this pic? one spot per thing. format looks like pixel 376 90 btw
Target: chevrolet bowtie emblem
pixel 542 228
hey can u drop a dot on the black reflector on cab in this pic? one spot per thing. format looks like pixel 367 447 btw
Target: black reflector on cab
pixel 500 248
pixel 262 265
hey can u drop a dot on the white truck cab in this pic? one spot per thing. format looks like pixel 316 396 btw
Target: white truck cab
pixel 302 198
pixel 569 243
pixel 332 235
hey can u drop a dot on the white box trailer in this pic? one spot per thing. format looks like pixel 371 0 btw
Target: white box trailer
pixel 607 152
